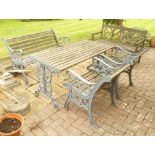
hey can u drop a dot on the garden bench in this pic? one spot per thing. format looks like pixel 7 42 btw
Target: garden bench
pixel 20 47
pixel 131 39
pixel 101 72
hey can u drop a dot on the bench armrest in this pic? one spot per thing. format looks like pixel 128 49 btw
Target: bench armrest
pixel 97 33
pixel 139 45
pixel 17 51
pixel 140 41
pixel 16 55
pixel 145 43
pixel 63 40
pixel 79 84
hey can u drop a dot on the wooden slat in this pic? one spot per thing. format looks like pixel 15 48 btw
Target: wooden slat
pixel 25 37
pixel 30 41
pixel 57 53
pixel 77 60
pixel 33 42
pixel 73 56
pixel 69 54
pixel 62 58
pixel 93 77
pixel 64 49
pixel 38 45
pixel 38 49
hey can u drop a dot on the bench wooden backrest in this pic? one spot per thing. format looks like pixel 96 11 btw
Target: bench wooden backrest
pixel 33 42
pixel 122 34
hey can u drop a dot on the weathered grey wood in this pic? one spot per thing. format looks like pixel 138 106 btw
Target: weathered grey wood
pixel 64 57
pixel 25 37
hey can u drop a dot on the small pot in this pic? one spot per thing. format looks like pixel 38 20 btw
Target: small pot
pixel 152 42
pixel 16 116
pixel 120 22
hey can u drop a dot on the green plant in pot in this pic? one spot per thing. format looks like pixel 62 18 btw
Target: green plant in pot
pixel 113 22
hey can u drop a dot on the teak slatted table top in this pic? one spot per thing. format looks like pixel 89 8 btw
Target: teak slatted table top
pixel 61 58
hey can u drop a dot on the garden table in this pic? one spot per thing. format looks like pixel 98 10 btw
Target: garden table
pixel 56 59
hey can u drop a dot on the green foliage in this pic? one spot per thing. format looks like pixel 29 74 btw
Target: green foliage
pixel 112 21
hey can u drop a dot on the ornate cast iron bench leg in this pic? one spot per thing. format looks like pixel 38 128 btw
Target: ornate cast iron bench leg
pixel 22 67
pixel 114 90
pixel 90 114
pixel 116 85
pixel 139 59
pixel 104 66
pixel 66 105
pixel 45 79
pixel 129 72
pixel 78 96
pixel 88 107
pixel 130 76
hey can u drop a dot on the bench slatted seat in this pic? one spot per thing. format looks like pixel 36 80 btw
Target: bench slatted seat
pixel 20 47
pixel 132 39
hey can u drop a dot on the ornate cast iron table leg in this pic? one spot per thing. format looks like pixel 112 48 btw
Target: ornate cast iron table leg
pixel 45 87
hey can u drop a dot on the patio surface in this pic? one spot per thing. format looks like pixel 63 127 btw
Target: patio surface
pixel 134 114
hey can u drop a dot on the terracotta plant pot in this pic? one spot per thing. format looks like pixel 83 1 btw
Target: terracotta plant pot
pixel 152 43
pixel 16 116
